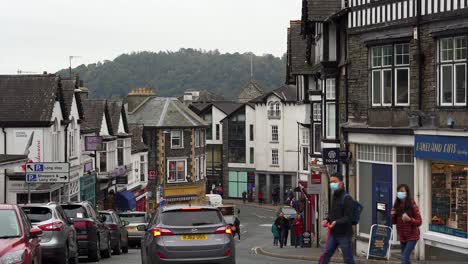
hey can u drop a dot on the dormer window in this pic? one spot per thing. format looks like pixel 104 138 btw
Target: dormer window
pixel 274 110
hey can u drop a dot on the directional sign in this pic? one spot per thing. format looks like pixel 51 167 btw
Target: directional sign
pixel 48 167
pixel 39 177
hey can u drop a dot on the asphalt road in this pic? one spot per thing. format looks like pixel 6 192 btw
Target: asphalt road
pixel 255 232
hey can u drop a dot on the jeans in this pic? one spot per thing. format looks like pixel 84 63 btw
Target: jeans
pixel 299 241
pixel 283 239
pixel 406 250
pixel 344 242
pixel 275 241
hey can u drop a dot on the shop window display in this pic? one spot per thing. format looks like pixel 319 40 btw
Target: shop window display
pixel 449 199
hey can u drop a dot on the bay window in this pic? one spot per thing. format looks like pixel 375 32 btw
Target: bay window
pixel 452 71
pixel 177 171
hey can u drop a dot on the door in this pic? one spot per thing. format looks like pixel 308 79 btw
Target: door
pixel 382 194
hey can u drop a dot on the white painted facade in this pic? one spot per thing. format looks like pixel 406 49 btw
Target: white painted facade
pixel 250 119
pixel 216 115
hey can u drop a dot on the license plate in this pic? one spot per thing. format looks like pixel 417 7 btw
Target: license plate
pixel 132 228
pixel 194 237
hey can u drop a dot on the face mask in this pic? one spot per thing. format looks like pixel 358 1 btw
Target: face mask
pixel 401 195
pixel 334 186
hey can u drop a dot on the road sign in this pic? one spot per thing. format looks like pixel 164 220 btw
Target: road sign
pixel 48 167
pixel 40 177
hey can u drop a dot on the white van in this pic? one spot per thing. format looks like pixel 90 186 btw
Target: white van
pixel 214 199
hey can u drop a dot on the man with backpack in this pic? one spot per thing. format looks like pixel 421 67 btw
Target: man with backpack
pixel 344 212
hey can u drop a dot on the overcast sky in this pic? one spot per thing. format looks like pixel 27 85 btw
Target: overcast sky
pixel 40 35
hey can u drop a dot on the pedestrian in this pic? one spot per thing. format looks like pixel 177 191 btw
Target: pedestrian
pixel 406 217
pixel 286 226
pixel 244 196
pixel 294 203
pixel 299 230
pixel 274 231
pixel 282 228
pixel 237 227
pixel 260 197
pixel 273 195
pixel 339 223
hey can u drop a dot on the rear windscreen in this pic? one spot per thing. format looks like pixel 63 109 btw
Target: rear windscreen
pixel 133 218
pixel 108 218
pixel 38 214
pixel 227 210
pixel 74 211
pixel 191 218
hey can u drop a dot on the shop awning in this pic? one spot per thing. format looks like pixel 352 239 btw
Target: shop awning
pixel 125 200
pixel 181 198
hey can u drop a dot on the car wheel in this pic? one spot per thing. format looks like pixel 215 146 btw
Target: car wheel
pixel 117 250
pixel 95 254
pixel 125 249
pixel 108 252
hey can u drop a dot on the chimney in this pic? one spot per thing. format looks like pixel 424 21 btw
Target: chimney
pixel 82 92
pixel 137 96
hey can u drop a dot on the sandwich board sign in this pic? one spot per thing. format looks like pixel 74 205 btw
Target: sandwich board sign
pixel 379 242
pixel 48 172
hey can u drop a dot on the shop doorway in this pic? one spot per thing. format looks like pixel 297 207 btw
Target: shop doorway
pixel 382 194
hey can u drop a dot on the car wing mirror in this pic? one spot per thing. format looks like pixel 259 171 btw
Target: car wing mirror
pixel 142 228
pixel 35 232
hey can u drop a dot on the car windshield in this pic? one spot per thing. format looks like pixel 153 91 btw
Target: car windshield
pixel 38 214
pixel 288 211
pixel 227 210
pixel 133 218
pixel 191 217
pixel 74 211
pixel 9 225
pixel 108 217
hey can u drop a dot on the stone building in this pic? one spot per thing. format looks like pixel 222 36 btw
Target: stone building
pixel 249 92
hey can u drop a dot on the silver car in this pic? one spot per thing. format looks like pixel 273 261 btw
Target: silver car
pixel 134 219
pixel 187 234
pixel 58 239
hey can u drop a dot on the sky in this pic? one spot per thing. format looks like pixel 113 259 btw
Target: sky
pixel 41 35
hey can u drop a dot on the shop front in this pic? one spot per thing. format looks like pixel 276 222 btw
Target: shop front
pixel 442 164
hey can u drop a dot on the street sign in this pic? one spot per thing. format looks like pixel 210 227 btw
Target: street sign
pixel 315 186
pixel 48 172
pixel 40 177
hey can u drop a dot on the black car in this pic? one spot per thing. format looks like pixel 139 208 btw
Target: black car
pixel 119 234
pixel 94 238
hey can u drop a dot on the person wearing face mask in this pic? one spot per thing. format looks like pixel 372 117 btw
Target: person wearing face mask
pixel 406 217
pixel 339 223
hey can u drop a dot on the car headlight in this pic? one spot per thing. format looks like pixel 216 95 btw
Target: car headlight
pixel 13 257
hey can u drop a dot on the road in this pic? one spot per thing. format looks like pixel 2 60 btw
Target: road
pixel 255 231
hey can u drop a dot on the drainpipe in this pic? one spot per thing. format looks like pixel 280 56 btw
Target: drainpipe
pixel 419 55
pixel 66 156
pixel 345 134
pixel 4 171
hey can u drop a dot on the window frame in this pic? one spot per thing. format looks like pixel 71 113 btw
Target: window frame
pixel 330 136
pixel 169 171
pixel 251 132
pixel 197 138
pixel 181 138
pixel 252 155
pixel 305 157
pixel 315 125
pixel 317 111
pixel 143 164
pixel 273 157
pixel 217 131
pixel 273 134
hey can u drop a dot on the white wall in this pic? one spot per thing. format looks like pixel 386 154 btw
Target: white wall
pixel 217 116
pixel 250 119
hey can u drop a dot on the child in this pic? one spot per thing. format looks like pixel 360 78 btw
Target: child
pixel 274 231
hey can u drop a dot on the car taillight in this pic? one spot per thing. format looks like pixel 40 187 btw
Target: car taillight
pixel 161 232
pixel 161 255
pixel 83 224
pixel 224 230
pixel 54 226
pixel 227 253
pixel 113 227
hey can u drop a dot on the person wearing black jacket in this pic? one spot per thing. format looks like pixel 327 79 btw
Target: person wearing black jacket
pixel 339 222
pixel 282 223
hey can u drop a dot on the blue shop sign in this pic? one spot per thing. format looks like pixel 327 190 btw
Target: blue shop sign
pixel 441 148
pixel 331 156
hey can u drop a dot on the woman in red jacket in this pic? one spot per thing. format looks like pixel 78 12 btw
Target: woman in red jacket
pixel 406 217
pixel 298 230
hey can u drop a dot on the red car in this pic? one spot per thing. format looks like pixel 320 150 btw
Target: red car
pixel 19 242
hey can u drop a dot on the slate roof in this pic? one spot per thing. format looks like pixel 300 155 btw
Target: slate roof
pixel 164 112
pixel 320 10
pixel 204 96
pixel 12 158
pixel 286 93
pixel 68 87
pixel 251 91
pixel 28 99
pixel 93 113
pixel 297 50
pixel 226 107
pixel 115 111
pixel 137 138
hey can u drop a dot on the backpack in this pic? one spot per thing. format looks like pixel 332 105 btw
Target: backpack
pixel 357 209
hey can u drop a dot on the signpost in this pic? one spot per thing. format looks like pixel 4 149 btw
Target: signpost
pixel 48 172
pixel 379 242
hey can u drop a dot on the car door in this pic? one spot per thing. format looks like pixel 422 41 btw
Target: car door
pixel 147 238
pixel 100 228
pixel 32 244
pixel 122 230
pixel 69 229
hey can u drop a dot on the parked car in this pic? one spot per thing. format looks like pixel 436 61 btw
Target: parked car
pixel 288 212
pixel 94 239
pixel 119 234
pixel 135 219
pixel 19 242
pixel 187 234
pixel 214 199
pixel 58 239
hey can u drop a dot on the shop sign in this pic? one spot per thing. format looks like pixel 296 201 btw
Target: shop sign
pixel 93 143
pixel 441 148
pixel 331 156
pixel 315 186
pixel 379 242
pixel 88 166
pixel 448 230
pixel 152 175
pixel 120 171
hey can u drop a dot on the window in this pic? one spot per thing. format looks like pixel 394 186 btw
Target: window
pixel 177 171
pixel 203 138
pixel 143 168
pixel 103 161
pixel 274 133
pixel 331 120
pixel 452 71
pixel 197 169
pixel 120 152
pixel 305 136
pixel 317 138
pixel 197 138
pixel 72 139
pixel 209 130
pixel 274 111
pixel 251 132
pixel 405 155
pixel 202 167
pixel 217 131
pixel 388 62
pixel 313 84
pixel 274 157
pixel 176 139
pixel 237 138
pixel 252 156
pixel 317 111
pixel 305 158
pixel 331 89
